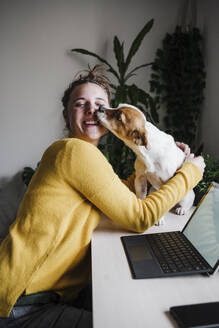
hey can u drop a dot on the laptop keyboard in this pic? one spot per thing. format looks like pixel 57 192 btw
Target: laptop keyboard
pixel 174 254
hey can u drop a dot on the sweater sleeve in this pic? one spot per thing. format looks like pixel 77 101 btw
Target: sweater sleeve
pixel 87 170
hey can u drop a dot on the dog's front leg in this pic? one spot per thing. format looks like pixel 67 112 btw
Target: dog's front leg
pixel 141 186
pixel 140 179
pixel 185 204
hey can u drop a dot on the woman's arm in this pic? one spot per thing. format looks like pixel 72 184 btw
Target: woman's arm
pixel 87 170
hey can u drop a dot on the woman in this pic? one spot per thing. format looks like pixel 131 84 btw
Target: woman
pixel 45 259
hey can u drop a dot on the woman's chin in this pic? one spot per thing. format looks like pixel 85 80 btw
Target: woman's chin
pixel 94 132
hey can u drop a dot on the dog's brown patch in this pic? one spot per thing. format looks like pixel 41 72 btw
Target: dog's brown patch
pixel 128 123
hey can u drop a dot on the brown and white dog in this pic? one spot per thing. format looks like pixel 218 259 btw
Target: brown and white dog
pixel 158 156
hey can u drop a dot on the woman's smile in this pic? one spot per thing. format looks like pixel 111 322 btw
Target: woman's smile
pixel 91 123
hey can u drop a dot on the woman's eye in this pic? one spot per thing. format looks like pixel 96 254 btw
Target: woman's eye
pixel 98 105
pixel 79 105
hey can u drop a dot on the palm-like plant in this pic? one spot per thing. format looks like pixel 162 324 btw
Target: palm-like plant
pixel 121 157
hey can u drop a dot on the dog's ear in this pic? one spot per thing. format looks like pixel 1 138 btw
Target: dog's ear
pixel 122 117
pixel 140 138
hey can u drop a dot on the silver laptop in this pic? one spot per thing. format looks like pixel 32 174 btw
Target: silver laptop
pixel 193 250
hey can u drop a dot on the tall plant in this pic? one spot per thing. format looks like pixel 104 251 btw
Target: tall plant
pixel 178 80
pixel 121 157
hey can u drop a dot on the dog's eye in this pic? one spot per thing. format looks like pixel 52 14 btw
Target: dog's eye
pixel 136 137
pixel 136 134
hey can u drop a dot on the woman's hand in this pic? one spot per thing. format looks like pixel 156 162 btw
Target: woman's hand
pixel 198 161
pixel 184 147
pixel 190 157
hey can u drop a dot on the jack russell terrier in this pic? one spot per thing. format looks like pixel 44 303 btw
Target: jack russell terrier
pixel 158 156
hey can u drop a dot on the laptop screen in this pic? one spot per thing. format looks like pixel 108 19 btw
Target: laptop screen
pixel 203 227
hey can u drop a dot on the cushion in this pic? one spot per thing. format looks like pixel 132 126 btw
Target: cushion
pixel 11 194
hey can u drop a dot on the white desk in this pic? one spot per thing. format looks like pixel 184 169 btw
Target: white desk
pixel 119 301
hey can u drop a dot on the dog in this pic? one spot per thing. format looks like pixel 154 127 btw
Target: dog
pixel 157 155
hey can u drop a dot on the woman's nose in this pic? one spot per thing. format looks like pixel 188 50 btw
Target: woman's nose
pixel 91 109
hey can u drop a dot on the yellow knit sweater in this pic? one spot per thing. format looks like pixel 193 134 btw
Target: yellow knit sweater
pixel 47 247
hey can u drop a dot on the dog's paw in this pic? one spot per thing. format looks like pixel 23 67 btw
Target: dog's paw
pixel 141 195
pixel 161 221
pixel 180 210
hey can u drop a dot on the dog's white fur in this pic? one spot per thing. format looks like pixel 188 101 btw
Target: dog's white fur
pixel 158 156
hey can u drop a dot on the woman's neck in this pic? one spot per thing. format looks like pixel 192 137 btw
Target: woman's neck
pixel 94 142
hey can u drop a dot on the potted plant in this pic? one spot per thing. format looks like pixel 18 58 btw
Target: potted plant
pixel 120 156
pixel 178 80
pixel 28 173
pixel 211 174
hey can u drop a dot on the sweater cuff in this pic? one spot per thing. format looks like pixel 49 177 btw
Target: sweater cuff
pixel 192 173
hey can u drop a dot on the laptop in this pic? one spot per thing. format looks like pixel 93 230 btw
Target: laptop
pixel 193 250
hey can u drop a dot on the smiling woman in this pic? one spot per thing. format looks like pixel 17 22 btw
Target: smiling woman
pixel 72 186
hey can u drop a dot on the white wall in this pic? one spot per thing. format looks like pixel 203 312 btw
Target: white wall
pixel 36 66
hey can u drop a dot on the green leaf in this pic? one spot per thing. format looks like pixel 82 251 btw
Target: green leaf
pixel 27 174
pixel 133 94
pixel 135 69
pixel 128 77
pixel 153 108
pixel 89 53
pixel 119 54
pixel 120 95
pixel 113 86
pixel 137 42
pixel 143 96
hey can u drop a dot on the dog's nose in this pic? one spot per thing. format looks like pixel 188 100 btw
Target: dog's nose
pixel 101 109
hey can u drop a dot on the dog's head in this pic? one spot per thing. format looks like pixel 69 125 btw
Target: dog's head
pixel 126 122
